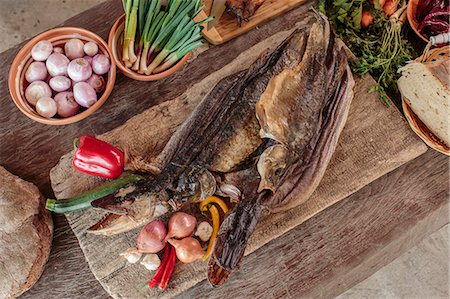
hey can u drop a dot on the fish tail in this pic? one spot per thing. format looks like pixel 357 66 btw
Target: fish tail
pixel 232 240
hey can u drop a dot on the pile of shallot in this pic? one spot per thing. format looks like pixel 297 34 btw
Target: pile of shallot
pixel 64 80
pixel 177 242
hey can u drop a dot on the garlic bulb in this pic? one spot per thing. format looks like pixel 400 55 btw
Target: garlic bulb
pixel 132 255
pixel 204 231
pixel 151 261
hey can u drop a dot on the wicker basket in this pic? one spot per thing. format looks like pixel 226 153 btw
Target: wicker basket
pixel 416 124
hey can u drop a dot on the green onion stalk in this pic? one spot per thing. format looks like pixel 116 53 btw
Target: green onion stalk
pixel 128 55
pixel 157 36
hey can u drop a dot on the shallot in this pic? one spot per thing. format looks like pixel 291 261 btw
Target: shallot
pixel 151 237
pixel 100 64
pixel 188 249
pixel 60 83
pixel 90 48
pixel 74 48
pixel 57 64
pixel 181 225
pixel 66 104
pixel 79 70
pixel 46 107
pixel 84 94
pixel 96 82
pixel 37 90
pixel 36 72
pixel 42 50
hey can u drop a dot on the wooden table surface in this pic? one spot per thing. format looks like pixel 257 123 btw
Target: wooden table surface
pixel 325 256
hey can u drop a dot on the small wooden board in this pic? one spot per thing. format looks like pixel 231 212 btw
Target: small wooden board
pixel 375 141
pixel 227 28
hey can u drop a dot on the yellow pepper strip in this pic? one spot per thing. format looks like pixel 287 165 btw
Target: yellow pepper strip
pixel 216 223
pixel 213 199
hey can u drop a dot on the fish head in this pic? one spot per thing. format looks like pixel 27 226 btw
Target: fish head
pixel 271 166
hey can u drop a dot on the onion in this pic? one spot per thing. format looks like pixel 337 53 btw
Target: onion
pixel 84 94
pixel 46 107
pixel 74 48
pixel 79 70
pixel 36 72
pixel 88 59
pixel 100 64
pixel 96 82
pixel 181 225
pixel 58 50
pixel 60 83
pixel 151 237
pixel 66 105
pixel 37 90
pixel 188 249
pixel 57 64
pixel 42 50
pixel 90 48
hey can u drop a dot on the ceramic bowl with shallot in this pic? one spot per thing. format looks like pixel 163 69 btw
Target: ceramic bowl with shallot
pixel 62 76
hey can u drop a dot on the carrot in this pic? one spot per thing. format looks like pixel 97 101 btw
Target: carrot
pixel 390 7
pixel 366 19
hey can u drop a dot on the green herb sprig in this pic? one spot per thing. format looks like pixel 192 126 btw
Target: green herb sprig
pixel 381 49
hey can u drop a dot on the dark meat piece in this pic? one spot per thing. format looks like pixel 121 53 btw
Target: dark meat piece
pixel 242 10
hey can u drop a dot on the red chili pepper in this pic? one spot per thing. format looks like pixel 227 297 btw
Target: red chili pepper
pixel 169 269
pixel 96 157
pixel 159 273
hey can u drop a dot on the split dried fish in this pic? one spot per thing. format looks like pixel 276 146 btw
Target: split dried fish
pixel 268 132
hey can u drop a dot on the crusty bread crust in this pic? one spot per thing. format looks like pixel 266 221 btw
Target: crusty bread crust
pixel 26 229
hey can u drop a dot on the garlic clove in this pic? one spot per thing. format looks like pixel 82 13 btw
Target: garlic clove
pixel 204 231
pixel 132 255
pixel 151 261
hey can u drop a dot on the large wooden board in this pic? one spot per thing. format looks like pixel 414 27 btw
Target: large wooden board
pixel 227 28
pixel 375 141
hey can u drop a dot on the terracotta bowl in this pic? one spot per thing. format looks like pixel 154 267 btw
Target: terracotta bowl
pixel 415 123
pixel 115 42
pixel 58 36
pixel 411 13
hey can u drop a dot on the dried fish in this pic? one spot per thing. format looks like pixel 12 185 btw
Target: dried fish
pixel 304 109
pixel 268 132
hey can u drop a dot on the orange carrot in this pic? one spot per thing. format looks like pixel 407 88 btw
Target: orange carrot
pixel 366 19
pixel 390 7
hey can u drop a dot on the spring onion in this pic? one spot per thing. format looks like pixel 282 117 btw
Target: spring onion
pixel 156 36
pixel 84 200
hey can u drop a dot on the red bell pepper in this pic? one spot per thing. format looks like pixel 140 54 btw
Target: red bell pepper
pixel 96 157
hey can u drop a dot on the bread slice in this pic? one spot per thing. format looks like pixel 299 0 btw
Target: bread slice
pixel 426 88
pixel 25 235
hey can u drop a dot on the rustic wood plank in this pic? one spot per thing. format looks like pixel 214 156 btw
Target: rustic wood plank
pixel 227 29
pixel 29 149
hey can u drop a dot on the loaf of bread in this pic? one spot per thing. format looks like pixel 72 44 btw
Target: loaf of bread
pixel 25 235
pixel 426 88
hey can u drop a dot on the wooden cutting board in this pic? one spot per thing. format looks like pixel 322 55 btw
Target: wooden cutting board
pixel 227 28
pixel 375 141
